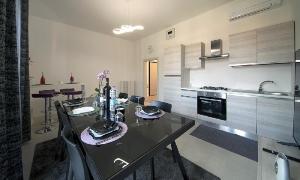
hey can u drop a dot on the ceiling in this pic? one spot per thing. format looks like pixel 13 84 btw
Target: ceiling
pixel 104 15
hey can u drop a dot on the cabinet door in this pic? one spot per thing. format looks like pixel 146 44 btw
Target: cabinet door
pixel 171 92
pixel 172 60
pixel 241 112
pixel 192 54
pixel 188 103
pixel 242 48
pixel 275 118
pixel 275 44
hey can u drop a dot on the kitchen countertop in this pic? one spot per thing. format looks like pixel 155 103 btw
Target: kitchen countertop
pixel 243 92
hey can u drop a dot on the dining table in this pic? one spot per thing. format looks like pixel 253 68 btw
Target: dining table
pixel 143 140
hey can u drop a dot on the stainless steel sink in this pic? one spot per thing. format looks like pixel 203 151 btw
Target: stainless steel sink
pixel 275 93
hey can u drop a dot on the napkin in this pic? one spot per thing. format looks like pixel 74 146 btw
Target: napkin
pixel 83 110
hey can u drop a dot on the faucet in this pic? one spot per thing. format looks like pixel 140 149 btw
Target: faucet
pixel 260 90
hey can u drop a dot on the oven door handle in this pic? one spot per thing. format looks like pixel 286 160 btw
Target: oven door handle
pixel 207 99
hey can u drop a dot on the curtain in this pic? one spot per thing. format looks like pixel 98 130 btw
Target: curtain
pixel 24 74
pixel 14 89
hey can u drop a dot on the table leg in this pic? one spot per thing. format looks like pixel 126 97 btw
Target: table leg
pixel 134 175
pixel 179 160
pixel 152 169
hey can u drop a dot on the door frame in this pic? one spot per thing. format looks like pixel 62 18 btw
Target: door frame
pixel 145 83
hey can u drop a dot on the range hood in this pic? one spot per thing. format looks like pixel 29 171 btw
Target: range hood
pixel 216 51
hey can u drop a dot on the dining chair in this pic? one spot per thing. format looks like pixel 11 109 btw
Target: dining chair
pixel 167 108
pixel 162 105
pixel 137 99
pixel 123 95
pixel 77 169
pixel 63 120
pixel 60 124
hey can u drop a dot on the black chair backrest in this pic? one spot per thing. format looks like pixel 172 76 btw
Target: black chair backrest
pixel 162 105
pixel 78 164
pixel 63 117
pixel 57 106
pixel 123 95
pixel 137 99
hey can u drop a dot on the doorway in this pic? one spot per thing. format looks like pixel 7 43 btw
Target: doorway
pixel 150 80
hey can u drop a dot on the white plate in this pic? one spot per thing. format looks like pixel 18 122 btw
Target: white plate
pixel 83 110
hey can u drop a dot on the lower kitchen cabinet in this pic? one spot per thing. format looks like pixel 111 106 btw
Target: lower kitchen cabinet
pixel 171 92
pixel 275 118
pixel 241 112
pixel 188 103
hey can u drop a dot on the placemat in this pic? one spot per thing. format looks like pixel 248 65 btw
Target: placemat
pixel 88 139
pixel 147 117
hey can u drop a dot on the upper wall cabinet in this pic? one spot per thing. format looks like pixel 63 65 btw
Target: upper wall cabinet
pixel 269 45
pixel 243 48
pixel 192 54
pixel 172 60
pixel 276 44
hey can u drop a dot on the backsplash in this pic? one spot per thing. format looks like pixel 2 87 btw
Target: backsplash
pixel 218 73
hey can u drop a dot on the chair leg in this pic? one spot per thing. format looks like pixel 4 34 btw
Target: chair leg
pixel 152 169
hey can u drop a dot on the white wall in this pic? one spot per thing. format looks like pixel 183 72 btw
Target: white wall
pixel 58 49
pixel 214 25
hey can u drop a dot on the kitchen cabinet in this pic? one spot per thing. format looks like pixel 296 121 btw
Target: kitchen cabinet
pixel 242 48
pixel 172 60
pixel 269 45
pixel 188 103
pixel 275 44
pixel 241 112
pixel 275 118
pixel 171 92
pixel 192 54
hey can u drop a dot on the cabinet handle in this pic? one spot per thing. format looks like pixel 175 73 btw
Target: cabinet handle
pixel 297 101
pixel 189 97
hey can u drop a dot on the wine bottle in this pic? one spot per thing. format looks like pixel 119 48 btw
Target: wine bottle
pixel 71 78
pixel 42 80
pixel 106 92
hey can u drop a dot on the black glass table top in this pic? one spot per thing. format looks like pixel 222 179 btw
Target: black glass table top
pixel 142 141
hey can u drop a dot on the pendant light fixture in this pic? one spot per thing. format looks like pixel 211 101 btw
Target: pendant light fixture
pixel 127 28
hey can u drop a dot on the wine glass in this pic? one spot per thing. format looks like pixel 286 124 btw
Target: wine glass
pixel 119 116
pixel 138 107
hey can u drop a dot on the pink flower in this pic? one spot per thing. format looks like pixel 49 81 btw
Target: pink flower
pixel 102 75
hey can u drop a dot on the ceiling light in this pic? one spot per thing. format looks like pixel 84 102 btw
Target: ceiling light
pixel 127 28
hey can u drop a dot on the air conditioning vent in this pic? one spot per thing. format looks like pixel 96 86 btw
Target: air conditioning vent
pixel 251 7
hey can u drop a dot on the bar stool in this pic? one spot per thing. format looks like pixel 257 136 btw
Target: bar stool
pixel 70 92
pixel 47 95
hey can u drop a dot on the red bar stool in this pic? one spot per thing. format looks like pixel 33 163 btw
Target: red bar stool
pixel 70 92
pixel 47 95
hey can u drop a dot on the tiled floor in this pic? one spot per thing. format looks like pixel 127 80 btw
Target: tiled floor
pixel 222 163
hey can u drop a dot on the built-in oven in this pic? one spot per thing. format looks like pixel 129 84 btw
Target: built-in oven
pixel 212 104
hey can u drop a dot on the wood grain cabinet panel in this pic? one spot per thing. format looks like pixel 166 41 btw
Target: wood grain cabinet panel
pixel 275 118
pixel 171 92
pixel 241 112
pixel 242 48
pixel 192 54
pixel 276 44
pixel 188 103
pixel 172 60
